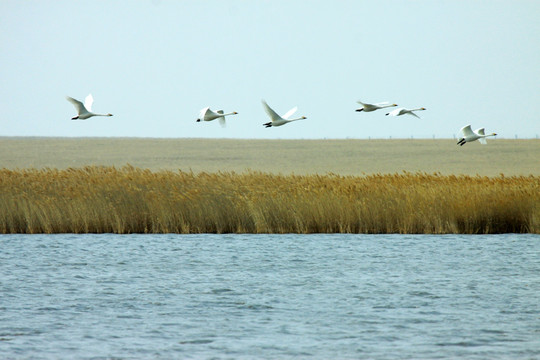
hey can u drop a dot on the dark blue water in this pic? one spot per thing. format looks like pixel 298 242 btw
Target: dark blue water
pixel 269 296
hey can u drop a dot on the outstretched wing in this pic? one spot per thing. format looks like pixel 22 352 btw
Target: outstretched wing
pixel 290 112
pixel 203 112
pixel 481 132
pixel 413 114
pixel 466 131
pixel 88 102
pixel 270 112
pixel 78 105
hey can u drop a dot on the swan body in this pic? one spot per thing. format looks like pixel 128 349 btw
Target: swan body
pixel 208 115
pixel 84 111
pixel 402 111
pixel 277 120
pixel 468 135
pixel 372 107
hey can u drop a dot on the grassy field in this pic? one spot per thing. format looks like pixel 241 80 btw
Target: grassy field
pixel 132 200
pixel 344 157
pixel 83 185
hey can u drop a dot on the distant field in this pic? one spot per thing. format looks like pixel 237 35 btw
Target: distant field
pixel 344 157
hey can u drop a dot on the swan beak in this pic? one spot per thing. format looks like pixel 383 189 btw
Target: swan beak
pixel 109 114
pixel 235 113
pixel 394 104
pixel 423 108
pixel 303 117
pixel 198 120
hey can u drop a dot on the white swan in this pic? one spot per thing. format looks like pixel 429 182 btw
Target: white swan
pixel 401 111
pixel 208 115
pixel 84 111
pixel 279 120
pixel 372 107
pixel 468 135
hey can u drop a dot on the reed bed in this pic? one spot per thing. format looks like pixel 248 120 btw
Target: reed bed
pixel 124 200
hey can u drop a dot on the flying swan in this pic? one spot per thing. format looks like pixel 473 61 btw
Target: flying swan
pixel 279 120
pixel 372 107
pixel 468 135
pixel 208 115
pixel 402 111
pixel 84 111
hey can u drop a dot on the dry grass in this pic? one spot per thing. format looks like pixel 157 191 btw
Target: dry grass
pixel 344 157
pixel 97 199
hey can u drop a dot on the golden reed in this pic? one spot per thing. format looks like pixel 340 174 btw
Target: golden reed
pixel 132 200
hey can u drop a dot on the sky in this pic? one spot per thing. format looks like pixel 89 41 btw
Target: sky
pixel 155 63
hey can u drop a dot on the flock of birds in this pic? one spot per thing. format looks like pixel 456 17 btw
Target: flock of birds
pixel 84 111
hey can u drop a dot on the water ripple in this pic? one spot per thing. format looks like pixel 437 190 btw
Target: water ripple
pixel 269 296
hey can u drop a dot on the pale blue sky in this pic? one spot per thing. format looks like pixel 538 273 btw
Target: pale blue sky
pixel 155 64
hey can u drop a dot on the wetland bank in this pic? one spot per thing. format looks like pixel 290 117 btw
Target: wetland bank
pixel 268 186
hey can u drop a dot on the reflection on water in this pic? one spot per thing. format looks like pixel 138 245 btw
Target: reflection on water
pixel 269 296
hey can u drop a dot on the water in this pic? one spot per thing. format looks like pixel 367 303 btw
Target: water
pixel 269 296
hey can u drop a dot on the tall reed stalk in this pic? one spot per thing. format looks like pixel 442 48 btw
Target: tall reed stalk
pixel 132 200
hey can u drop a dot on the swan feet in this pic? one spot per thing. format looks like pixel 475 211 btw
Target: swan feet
pixel 268 124
pixel 461 142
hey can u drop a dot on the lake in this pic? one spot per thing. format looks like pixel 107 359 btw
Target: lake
pixel 269 296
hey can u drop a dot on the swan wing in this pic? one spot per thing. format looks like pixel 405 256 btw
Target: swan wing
pixel 88 101
pixel 78 105
pixel 482 141
pixel 270 112
pixel 222 122
pixel 290 112
pixel 413 114
pixel 466 131
pixel 203 112
pixel 480 131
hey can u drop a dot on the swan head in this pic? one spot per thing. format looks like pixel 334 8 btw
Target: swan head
pixel 109 114
pixel 234 112
pixel 303 117
pixel 423 108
